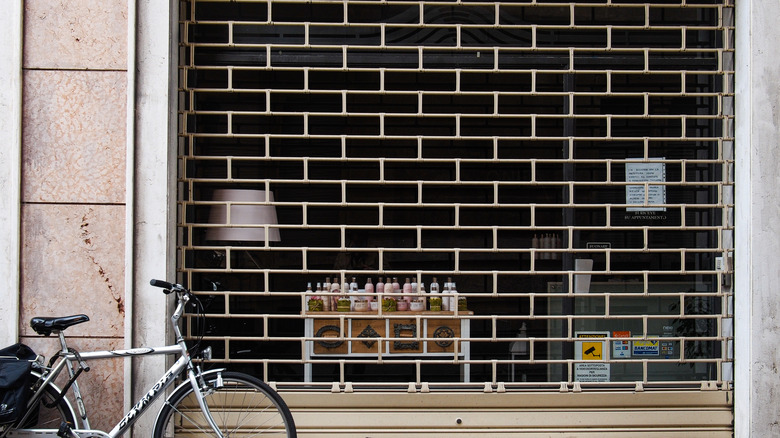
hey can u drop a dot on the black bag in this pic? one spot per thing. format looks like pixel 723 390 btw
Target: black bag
pixel 15 380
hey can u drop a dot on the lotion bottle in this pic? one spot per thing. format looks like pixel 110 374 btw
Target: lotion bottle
pixel 396 286
pixel 434 286
pixel 408 291
pixel 335 291
pixel 454 298
pixel 369 288
pixel 318 291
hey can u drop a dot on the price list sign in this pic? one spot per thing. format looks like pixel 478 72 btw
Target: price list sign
pixel 644 173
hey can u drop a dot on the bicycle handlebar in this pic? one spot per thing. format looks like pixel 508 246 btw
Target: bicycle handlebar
pixel 167 287
pixel 184 296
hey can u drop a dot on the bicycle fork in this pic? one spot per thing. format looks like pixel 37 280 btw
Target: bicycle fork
pixel 198 388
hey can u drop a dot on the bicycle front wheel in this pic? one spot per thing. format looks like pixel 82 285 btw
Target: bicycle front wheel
pixel 241 405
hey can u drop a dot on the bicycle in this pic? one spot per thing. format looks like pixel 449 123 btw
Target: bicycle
pixel 207 403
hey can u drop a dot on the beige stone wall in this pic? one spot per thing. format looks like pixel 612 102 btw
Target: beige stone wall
pixel 73 182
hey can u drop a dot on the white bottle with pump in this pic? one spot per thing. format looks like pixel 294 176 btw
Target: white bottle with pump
pixel 353 294
pixel 445 300
pixel 434 286
pixel 434 292
pixel 454 298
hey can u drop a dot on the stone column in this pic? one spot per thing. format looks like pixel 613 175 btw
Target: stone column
pixel 153 176
pixel 757 271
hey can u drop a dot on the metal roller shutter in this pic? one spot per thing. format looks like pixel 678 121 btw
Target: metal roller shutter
pixel 569 165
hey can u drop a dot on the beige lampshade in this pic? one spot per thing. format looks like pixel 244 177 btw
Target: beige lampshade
pixel 243 211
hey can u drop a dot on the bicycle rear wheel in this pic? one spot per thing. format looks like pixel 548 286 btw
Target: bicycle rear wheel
pixel 241 405
pixel 43 417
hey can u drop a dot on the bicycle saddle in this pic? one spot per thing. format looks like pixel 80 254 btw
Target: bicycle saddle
pixel 45 325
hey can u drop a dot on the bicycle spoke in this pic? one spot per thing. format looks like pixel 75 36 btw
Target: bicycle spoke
pixel 242 419
pixel 241 407
pixel 259 429
pixel 188 418
pixel 252 413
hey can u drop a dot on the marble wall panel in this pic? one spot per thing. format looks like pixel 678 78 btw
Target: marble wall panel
pixel 75 34
pixel 74 136
pixel 103 386
pixel 72 263
pixel 73 183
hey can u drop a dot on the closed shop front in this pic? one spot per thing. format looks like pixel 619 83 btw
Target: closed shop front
pixel 560 172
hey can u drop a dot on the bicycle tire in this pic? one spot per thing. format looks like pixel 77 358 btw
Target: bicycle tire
pixel 47 418
pixel 243 406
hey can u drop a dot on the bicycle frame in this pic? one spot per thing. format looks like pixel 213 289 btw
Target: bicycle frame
pixel 155 391
pixel 140 407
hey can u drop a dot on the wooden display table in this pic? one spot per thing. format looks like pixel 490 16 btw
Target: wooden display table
pixel 386 336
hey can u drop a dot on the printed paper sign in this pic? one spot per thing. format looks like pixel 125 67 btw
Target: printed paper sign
pixel 645 172
pixel 591 372
pixel 591 346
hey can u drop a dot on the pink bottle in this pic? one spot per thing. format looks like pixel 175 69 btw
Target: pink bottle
pixel 369 288
pixel 407 291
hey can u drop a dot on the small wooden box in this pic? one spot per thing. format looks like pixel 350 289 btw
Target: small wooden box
pixel 369 330
pixel 404 336
pixel 444 330
pixel 328 329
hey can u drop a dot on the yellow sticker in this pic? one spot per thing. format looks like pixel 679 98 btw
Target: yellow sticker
pixel 592 351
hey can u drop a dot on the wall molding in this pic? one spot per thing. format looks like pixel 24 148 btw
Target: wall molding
pixel 11 20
